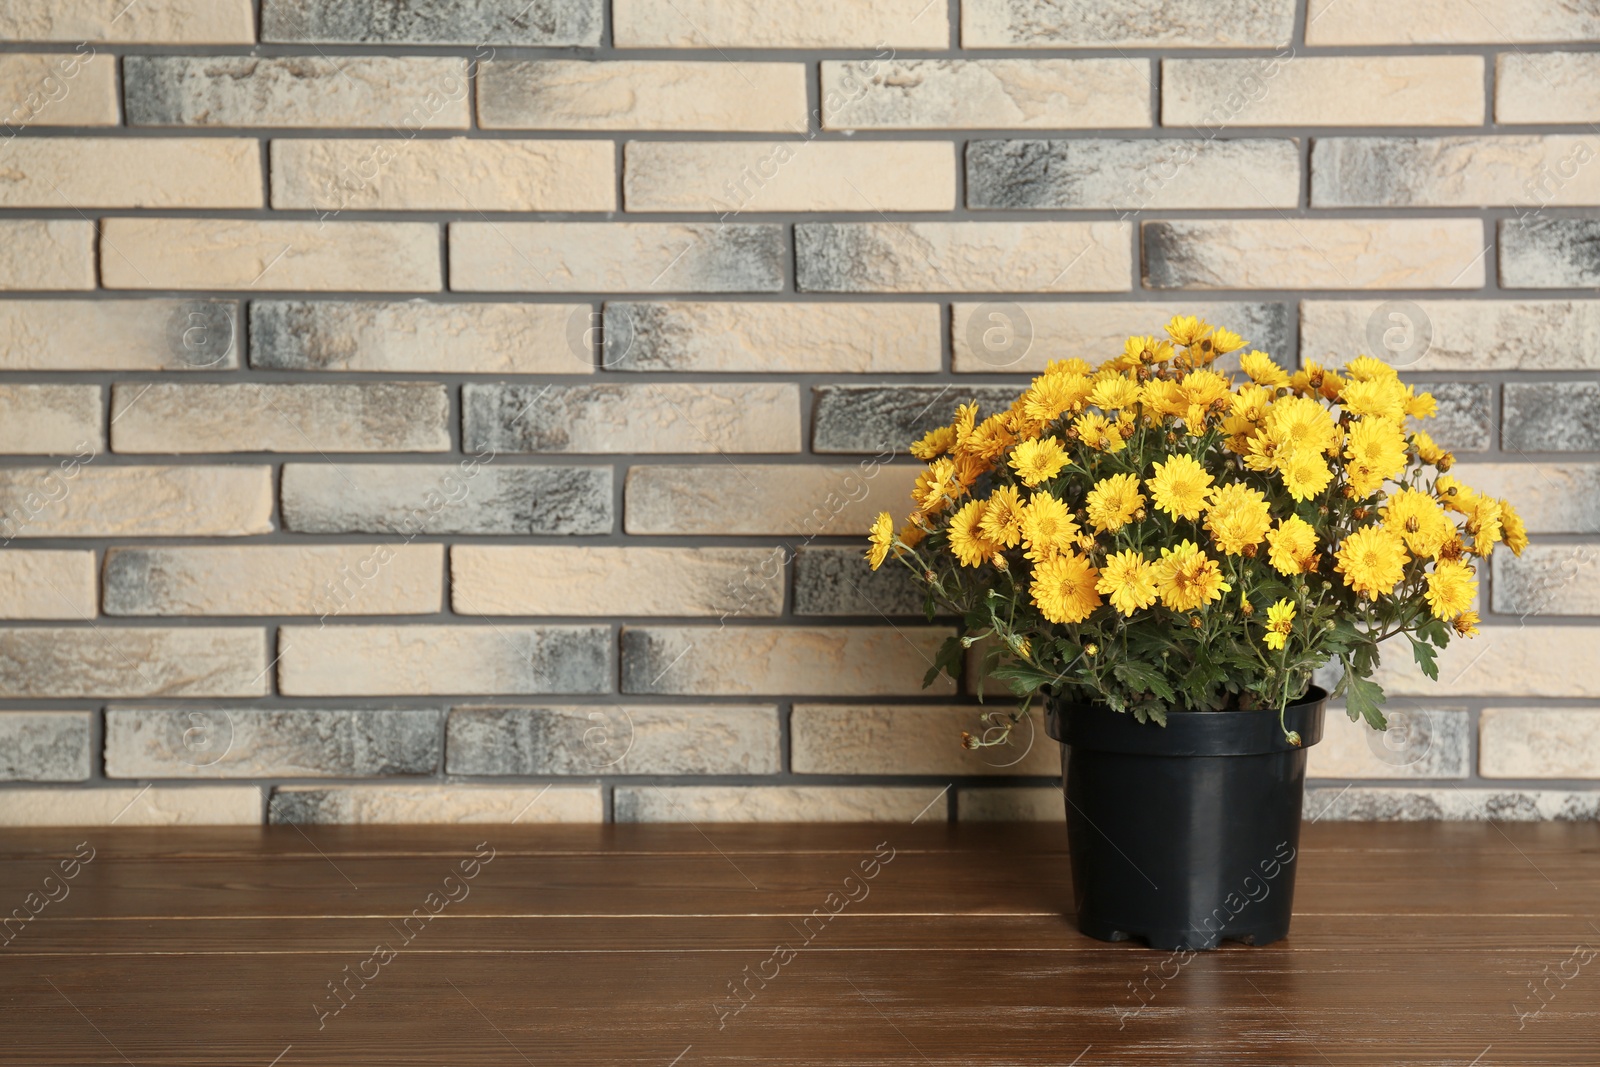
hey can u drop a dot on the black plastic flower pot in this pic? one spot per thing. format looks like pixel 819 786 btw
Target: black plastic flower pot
pixel 1184 835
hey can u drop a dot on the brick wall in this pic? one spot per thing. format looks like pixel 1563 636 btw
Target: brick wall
pixel 468 409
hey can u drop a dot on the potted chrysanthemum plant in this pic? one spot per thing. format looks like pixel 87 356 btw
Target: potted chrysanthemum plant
pixel 1166 555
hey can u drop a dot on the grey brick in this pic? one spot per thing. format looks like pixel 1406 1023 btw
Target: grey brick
pixel 1548 580
pixel 1551 417
pixel 44 746
pixel 1542 171
pixel 446 499
pixel 887 418
pixel 1549 253
pixel 431 802
pixel 243 742
pixel 131 335
pixel 375 92
pixel 1126 23
pixel 832 580
pixel 1399 804
pixel 460 22
pixel 133 661
pixel 612 739
pixel 1465 416
pixel 1134 173
pixel 684 418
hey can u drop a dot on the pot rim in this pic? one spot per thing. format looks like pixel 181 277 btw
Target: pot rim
pixel 1235 732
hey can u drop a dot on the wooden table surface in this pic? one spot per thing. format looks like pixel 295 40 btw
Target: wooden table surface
pixel 791 945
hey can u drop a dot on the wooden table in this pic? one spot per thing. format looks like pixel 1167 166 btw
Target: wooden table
pixel 791 945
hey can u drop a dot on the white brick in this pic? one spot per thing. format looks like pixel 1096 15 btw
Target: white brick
pixel 42 420
pixel 1541 87
pixel 1421 742
pixel 904 739
pixel 231 805
pixel 1515 661
pixel 1323 91
pixel 756 24
pixel 46 254
pixel 67 335
pixel 613 581
pixel 1550 497
pixel 544 94
pixel 1462 335
pixel 1525 172
pixel 68 173
pixel 47 584
pixel 839 501
pixel 1126 24
pixel 76 499
pixel 1377 22
pixel 77 88
pixel 1539 743
pixel 145 22
pixel 939 94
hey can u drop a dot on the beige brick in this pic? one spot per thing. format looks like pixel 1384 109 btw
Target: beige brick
pixel 77 88
pixel 1364 22
pixel 418 337
pixel 46 254
pixel 1315 254
pixel 730 177
pixel 68 173
pixel 144 22
pixel 47 584
pixel 380 417
pixel 803 660
pixel 1516 661
pixel 1540 87
pixel 837 501
pixel 1126 23
pixel 564 94
pixel 453 174
pixel 890 739
pixel 1550 497
pixel 66 335
pixel 978 257
pixel 42 420
pixel 436 804
pixel 1317 91
pixel 764 337
pixel 1050 94
pixel 126 661
pixel 757 24
pixel 73 498
pixel 1547 579
pixel 1421 742
pixel 421 660
pixel 595 580
pixel 1539 742
pixel 402 94
pixel 1017 804
pixel 344 579
pixel 230 805
pixel 569 257
pixel 1525 172
pixel 263 256
pixel 1022 337
pixel 1460 335
pixel 780 803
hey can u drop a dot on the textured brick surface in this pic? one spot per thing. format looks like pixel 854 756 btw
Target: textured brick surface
pixel 380 417
pixel 1538 87
pixel 910 94
pixel 837 581
pixel 567 257
pixel 416 337
pixel 1551 497
pixel 89 501
pixel 749 660
pixel 381 92
pixel 596 580
pixel 835 500
pixel 757 24
pixel 323 580
pixel 124 661
pixel 1137 174
pixel 443 175
pixel 1318 91
pixel 625 95
pixel 78 88
pixel 460 22
pixel 372 804
pixel 1126 24
pixel 446 499
pixel 1549 253
pixel 158 21
pixel 47 584
pixel 1457 335
pixel 889 739
pixel 169 335
pixel 771 337
pixel 44 746
pixel 779 803
pixel 1398 804
pixel 613 739
pixel 1509 660
pixel 244 742
pixel 1552 417
pixel 1465 418
pixel 1315 254
pixel 1421 742
pixel 1545 171
pixel 231 805
pixel 882 419
pixel 427 659
pixel 987 257
pixel 760 176
pixel 1553 579
pixel 605 418
pixel 44 420
pixel 46 254
pixel 1538 742
pixel 1368 22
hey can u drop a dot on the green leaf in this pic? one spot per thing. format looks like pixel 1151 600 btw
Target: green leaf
pixel 1022 678
pixel 949 660
pixel 1366 698
pixel 1425 657
pixel 1144 678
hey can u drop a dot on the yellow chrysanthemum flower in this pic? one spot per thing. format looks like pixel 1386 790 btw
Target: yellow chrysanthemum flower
pixel 1038 460
pixel 1068 366
pixel 1002 517
pixel 1367 369
pixel 1048 528
pixel 1237 517
pixel 1130 580
pixel 1053 395
pixel 1292 545
pixel 1429 452
pixel 1187 579
pixel 1307 381
pixel 1140 350
pixel 1186 330
pixel 1421 405
pixel 881 537
pixel 1383 398
pixel 966 418
pixel 1163 397
pixel 1419 520
pixel 934 443
pixel 1225 341
pixel 1372 560
pixel 1179 487
pixel 1301 424
pixel 1280 623
pixel 1451 588
pixel 1098 432
pixel 912 534
pixel 988 440
pixel 1263 370
pixel 1455 496
pixel 1376 450
pixel 1114 394
pixel 1483 523
pixel 1511 527
pixel 971 548
pixel 936 487
pixel 1205 392
pixel 1466 624
pixel 1112 502
pixel 1064 588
